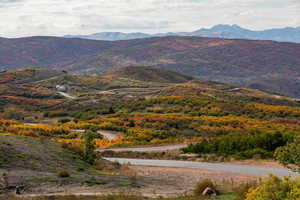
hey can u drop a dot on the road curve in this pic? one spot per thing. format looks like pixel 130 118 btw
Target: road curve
pixel 68 96
pixel 147 149
pixel 108 135
pixel 250 170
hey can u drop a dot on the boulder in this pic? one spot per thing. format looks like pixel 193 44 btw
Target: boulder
pixel 209 192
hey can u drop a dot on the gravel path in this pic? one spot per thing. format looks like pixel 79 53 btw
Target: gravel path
pixel 147 149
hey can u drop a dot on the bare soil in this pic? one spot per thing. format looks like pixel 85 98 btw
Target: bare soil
pixel 263 163
pixel 151 182
pixel 182 181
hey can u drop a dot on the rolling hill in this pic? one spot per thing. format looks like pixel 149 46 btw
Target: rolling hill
pixel 147 74
pixel 239 62
pixel 21 98
pixel 27 75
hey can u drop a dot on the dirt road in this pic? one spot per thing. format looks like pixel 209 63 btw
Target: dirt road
pixel 147 149
pixel 249 170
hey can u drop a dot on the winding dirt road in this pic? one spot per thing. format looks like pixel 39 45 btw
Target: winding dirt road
pixel 147 149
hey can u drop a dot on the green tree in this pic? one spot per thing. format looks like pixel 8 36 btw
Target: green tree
pixel 131 123
pixel 89 147
pixel 289 154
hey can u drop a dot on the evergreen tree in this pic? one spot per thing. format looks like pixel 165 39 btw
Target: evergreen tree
pixel 89 147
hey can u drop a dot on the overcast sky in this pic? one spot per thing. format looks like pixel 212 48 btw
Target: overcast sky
pixel 60 17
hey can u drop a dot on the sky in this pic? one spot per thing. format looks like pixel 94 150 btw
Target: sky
pixel 20 18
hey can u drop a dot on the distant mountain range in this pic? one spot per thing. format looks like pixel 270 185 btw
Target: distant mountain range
pixel 267 65
pixel 288 34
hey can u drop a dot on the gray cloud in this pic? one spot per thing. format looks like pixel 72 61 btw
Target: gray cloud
pixel 9 1
pixel 59 17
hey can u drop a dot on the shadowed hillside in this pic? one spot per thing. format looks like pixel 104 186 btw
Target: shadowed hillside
pixel 46 52
pixel 148 74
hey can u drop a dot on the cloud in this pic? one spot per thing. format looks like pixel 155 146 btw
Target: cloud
pixel 9 1
pixel 59 17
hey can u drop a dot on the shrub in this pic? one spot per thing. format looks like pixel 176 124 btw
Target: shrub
pixel 53 114
pixel 63 174
pixel 289 154
pixel 64 120
pixel 69 136
pixel 74 147
pixel 89 147
pixel 243 189
pixel 275 188
pixel 202 185
pixel 95 135
pixel 95 181
pixel 241 145
pixel 253 153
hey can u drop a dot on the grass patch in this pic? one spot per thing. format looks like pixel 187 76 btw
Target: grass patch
pixel 92 180
pixel 41 180
pixel 231 196
pixel 125 183
pixel 128 197
pixel 106 173
pixel 3 161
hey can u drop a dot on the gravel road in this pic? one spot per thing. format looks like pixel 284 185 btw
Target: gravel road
pixel 227 168
pixel 147 149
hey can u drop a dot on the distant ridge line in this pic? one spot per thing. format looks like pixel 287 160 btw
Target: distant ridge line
pixel 287 34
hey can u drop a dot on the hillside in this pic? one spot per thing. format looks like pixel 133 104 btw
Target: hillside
pixel 232 61
pixel 27 75
pixel 177 109
pixel 147 74
pixel 25 153
pixel 239 62
pixel 35 164
pixel 24 98
pixel 161 94
pixel 280 86
pixel 124 77
pixel 26 93
pixel 46 52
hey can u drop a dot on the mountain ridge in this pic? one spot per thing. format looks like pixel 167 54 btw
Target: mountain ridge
pixel 286 34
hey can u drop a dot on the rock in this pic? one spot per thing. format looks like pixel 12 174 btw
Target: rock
pixel 209 192
pixel 61 88
pixel 19 189
pixel 4 181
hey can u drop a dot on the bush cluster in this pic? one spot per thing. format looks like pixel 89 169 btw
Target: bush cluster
pixel 241 146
